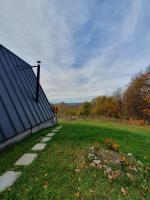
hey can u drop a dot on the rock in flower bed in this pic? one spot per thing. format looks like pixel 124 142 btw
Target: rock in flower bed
pixel 116 165
pixel 122 171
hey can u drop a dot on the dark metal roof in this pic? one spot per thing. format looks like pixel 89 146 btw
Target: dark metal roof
pixel 18 109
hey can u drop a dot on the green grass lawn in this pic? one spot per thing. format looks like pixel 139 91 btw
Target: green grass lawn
pixel 52 175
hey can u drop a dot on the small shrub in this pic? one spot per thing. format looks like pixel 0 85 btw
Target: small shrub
pixel 111 145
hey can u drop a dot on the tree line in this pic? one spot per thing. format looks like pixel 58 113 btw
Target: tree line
pixel 131 102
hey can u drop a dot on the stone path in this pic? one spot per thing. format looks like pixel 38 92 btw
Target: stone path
pixel 38 147
pixel 55 131
pixel 46 139
pixel 26 159
pixel 50 134
pixel 9 177
pixel 58 128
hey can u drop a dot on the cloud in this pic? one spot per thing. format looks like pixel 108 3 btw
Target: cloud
pixel 132 19
pixel 84 45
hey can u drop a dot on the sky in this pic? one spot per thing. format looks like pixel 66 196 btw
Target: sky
pixel 87 47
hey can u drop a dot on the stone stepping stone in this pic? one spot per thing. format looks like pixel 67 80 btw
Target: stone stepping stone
pixel 8 179
pixel 26 159
pixel 55 130
pixel 46 139
pixel 58 128
pixel 50 134
pixel 39 147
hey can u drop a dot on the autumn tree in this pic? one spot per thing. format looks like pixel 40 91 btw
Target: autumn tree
pixel 118 98
pixel 104 106
pixel 136 98
pixel 85 109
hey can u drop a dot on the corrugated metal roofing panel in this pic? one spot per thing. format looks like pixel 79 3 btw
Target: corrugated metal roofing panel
pixel 18 109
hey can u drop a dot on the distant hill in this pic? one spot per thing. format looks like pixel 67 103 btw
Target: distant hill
pixel 73 104
pixel 69 104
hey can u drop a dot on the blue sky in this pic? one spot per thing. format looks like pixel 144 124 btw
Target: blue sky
pixel 87 47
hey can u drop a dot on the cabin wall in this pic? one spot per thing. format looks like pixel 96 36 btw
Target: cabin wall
pixel 26 133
